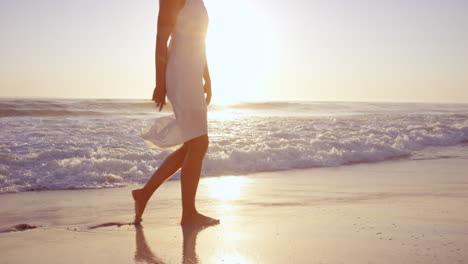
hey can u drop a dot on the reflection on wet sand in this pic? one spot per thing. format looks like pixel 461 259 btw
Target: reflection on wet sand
pixel 144 254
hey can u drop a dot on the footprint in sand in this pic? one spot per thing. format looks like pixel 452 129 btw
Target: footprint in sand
pixel 19 227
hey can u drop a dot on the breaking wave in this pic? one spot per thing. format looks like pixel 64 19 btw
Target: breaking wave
pixel 59 153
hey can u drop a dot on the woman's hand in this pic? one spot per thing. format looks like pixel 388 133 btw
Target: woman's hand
pixel 159 96
pixel 207 89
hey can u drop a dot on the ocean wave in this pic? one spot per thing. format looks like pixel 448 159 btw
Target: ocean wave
pixel 352 107
pixel 85 153
pixel 46 108
pixel 112 107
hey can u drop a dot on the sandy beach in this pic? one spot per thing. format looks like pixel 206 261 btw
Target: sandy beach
pixel 402 211
pixel 315 131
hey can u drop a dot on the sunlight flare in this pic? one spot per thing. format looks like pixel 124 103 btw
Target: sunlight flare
pixel 239 49
pixel 226 188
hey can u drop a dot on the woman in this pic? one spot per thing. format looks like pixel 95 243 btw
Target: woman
pixel 182 72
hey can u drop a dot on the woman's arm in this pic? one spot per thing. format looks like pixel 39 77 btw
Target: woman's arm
pixel 207 85
pixel 168 10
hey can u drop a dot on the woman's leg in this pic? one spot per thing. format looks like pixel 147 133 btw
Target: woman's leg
pixel 190 176
pixel 170 166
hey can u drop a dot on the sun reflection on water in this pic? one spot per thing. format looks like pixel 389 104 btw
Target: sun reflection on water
pixel 231 258
pixel 226 188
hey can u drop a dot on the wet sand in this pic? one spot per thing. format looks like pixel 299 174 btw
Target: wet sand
pixel 390 212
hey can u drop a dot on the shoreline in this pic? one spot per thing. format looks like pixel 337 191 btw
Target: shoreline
pixel 403 211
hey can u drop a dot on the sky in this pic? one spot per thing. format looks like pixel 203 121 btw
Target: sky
pixel 320 50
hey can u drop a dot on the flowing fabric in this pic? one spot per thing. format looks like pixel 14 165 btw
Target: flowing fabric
pixel 184 81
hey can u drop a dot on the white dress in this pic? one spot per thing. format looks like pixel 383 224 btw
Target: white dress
pixel 184 81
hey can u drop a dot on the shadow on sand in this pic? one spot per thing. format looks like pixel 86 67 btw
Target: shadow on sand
pixel 144 254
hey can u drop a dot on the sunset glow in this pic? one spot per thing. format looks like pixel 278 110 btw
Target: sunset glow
pixel 322 50
pixel 240 47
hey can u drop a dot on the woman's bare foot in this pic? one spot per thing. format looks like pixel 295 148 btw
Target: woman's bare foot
pixel 140 204
pixel 198 219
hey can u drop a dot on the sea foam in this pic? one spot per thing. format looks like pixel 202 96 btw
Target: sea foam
pixel 100 151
